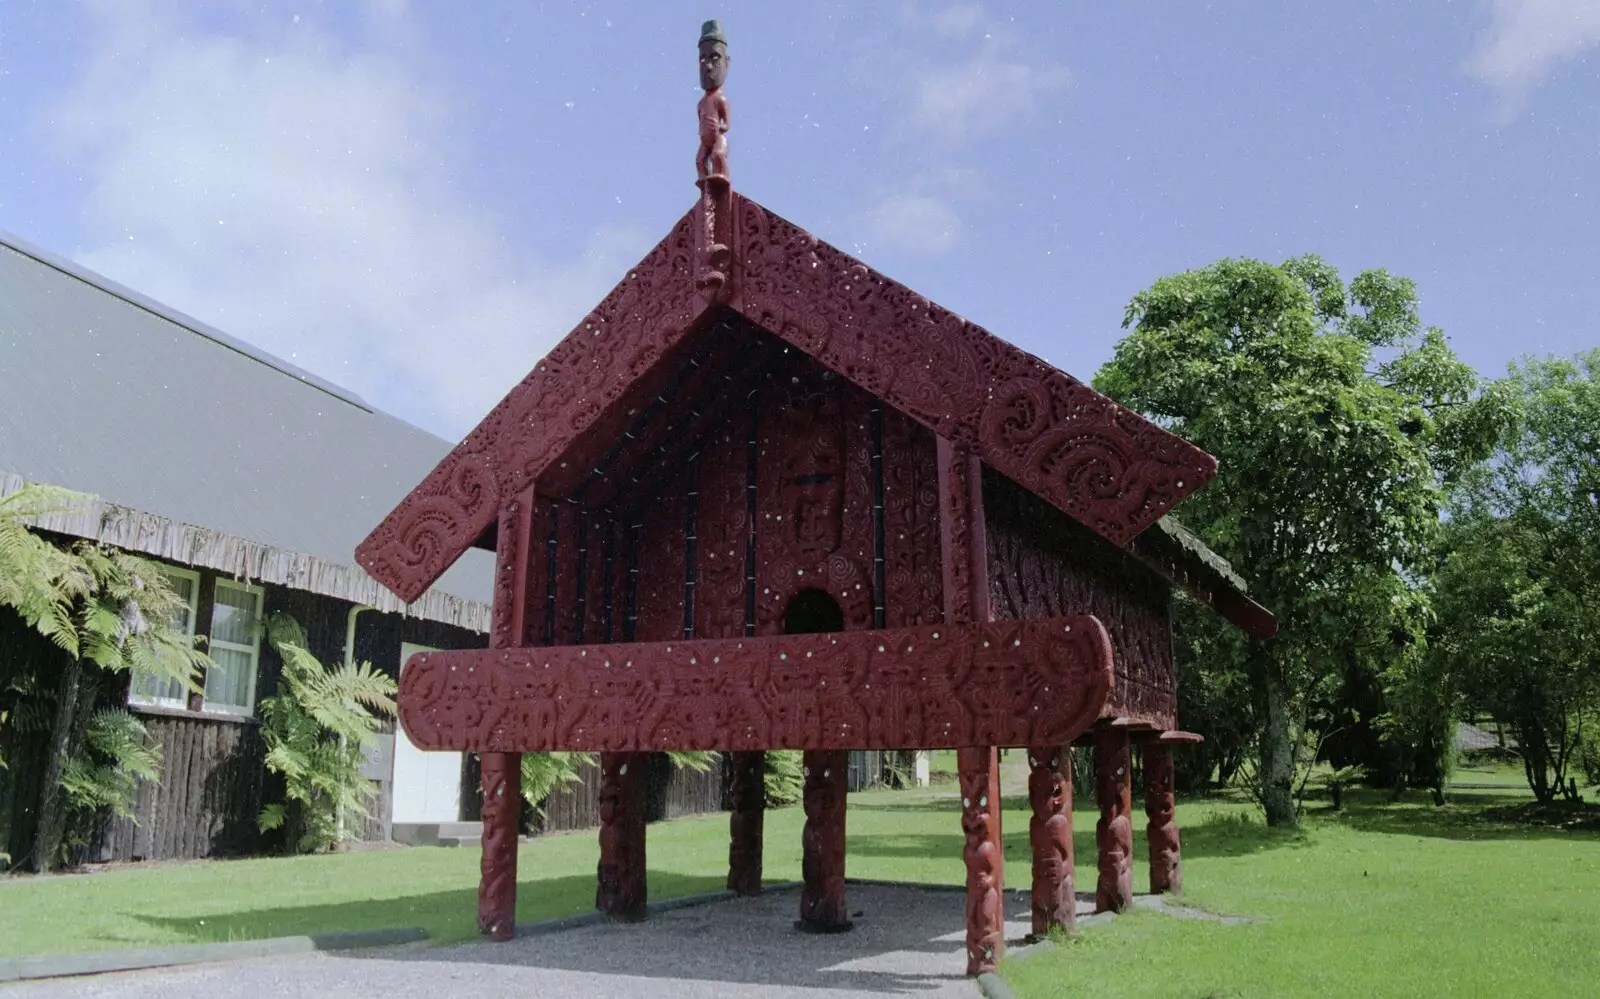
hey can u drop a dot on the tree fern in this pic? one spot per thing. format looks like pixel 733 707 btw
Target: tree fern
pixel 543 774
pixel 38 580
pixel 783 777
pixel 315 729
pixel 116 755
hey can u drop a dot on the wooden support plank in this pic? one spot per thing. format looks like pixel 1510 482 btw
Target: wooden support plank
pixel 1050 836
pixel 822 901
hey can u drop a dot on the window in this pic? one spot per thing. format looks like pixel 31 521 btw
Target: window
pixel 235 648
pixel 161 691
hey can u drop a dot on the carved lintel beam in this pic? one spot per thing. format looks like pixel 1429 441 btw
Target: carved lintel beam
pixel 1050 835
pixel 1009 683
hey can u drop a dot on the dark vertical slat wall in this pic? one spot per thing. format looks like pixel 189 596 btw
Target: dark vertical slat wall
pixel 214 779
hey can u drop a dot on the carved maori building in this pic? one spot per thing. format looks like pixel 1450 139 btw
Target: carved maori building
pixel 764 497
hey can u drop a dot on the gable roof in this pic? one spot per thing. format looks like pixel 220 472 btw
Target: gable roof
pixel 203 449
pixel 1100 463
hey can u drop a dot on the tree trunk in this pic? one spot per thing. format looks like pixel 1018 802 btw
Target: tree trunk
pixel 1277 758
pixel 52 807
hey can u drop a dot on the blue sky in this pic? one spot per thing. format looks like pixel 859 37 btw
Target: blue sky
pixel 417 200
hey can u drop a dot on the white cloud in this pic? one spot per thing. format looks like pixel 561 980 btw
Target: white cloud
pixel 914 223
pixel 1526 40
pixel 962 102
pixel 298 193
pixel 980 82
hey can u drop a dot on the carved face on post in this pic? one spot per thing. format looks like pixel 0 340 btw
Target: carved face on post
pixel 713 64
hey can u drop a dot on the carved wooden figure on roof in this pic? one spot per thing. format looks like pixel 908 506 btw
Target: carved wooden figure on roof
pixel 764 497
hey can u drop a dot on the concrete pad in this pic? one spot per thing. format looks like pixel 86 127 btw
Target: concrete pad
pixel 906 941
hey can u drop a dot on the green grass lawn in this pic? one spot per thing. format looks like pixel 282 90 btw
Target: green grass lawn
pixel 1383 900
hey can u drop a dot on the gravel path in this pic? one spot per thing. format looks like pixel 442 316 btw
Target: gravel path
pixel 906 942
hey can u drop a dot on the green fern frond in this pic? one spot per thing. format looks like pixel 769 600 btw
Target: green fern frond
pixel 697 761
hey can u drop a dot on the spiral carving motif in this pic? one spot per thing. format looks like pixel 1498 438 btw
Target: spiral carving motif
pixel 634 326
pixel 1112 470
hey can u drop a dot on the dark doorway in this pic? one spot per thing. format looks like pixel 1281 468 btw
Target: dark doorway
pixel 812 612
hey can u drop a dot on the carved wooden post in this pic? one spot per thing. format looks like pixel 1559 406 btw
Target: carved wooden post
pixel 1166 872
pixel 621 890
pixel 1050 833
pixel 822 906
pixel 748 794
pixel 966 599
pixel 502 818
pixel 502 772
pixel 1114 832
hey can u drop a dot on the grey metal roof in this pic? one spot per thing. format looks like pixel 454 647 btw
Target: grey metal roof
pixel 176 423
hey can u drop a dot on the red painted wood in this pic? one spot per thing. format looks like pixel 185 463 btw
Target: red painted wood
pixel 620 890
pixel 1050 836
pixel 1160 808
pixel 822 904
pixel 1012 683
pixel 1102 464
pixel 1114 831
pixel 502 772
pixel 746 820
pixel 979 774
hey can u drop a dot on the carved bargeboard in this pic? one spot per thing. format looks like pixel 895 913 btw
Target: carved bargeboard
pixel 1015 683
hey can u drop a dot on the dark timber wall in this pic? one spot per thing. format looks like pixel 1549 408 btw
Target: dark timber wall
pixel 1041 563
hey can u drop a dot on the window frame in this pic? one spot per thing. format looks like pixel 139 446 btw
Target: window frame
pixel 248 709
pixel 181 702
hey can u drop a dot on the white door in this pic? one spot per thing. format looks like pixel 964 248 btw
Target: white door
pixel 427 785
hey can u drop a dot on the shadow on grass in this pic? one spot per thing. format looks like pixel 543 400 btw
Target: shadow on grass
pixel 447 915
pixel 1467 816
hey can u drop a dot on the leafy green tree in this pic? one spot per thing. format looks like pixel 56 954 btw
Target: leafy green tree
pixel 317 728
pixel 1336 418
pixel 1518 590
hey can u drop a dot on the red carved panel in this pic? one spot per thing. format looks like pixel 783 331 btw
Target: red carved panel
pixel 628 332
pixel 537 570
pixel 1105 465
pixel 1022 683
pixel 660 578
pixel 1160 809
pixel 723 532
pixel 913 575
pixel 1041 563
pixel 1114 832
pixel 961 534
pixel 566 570
pixel 822 841
pixel 1050 836
pixel 984 856
pixel 814 496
